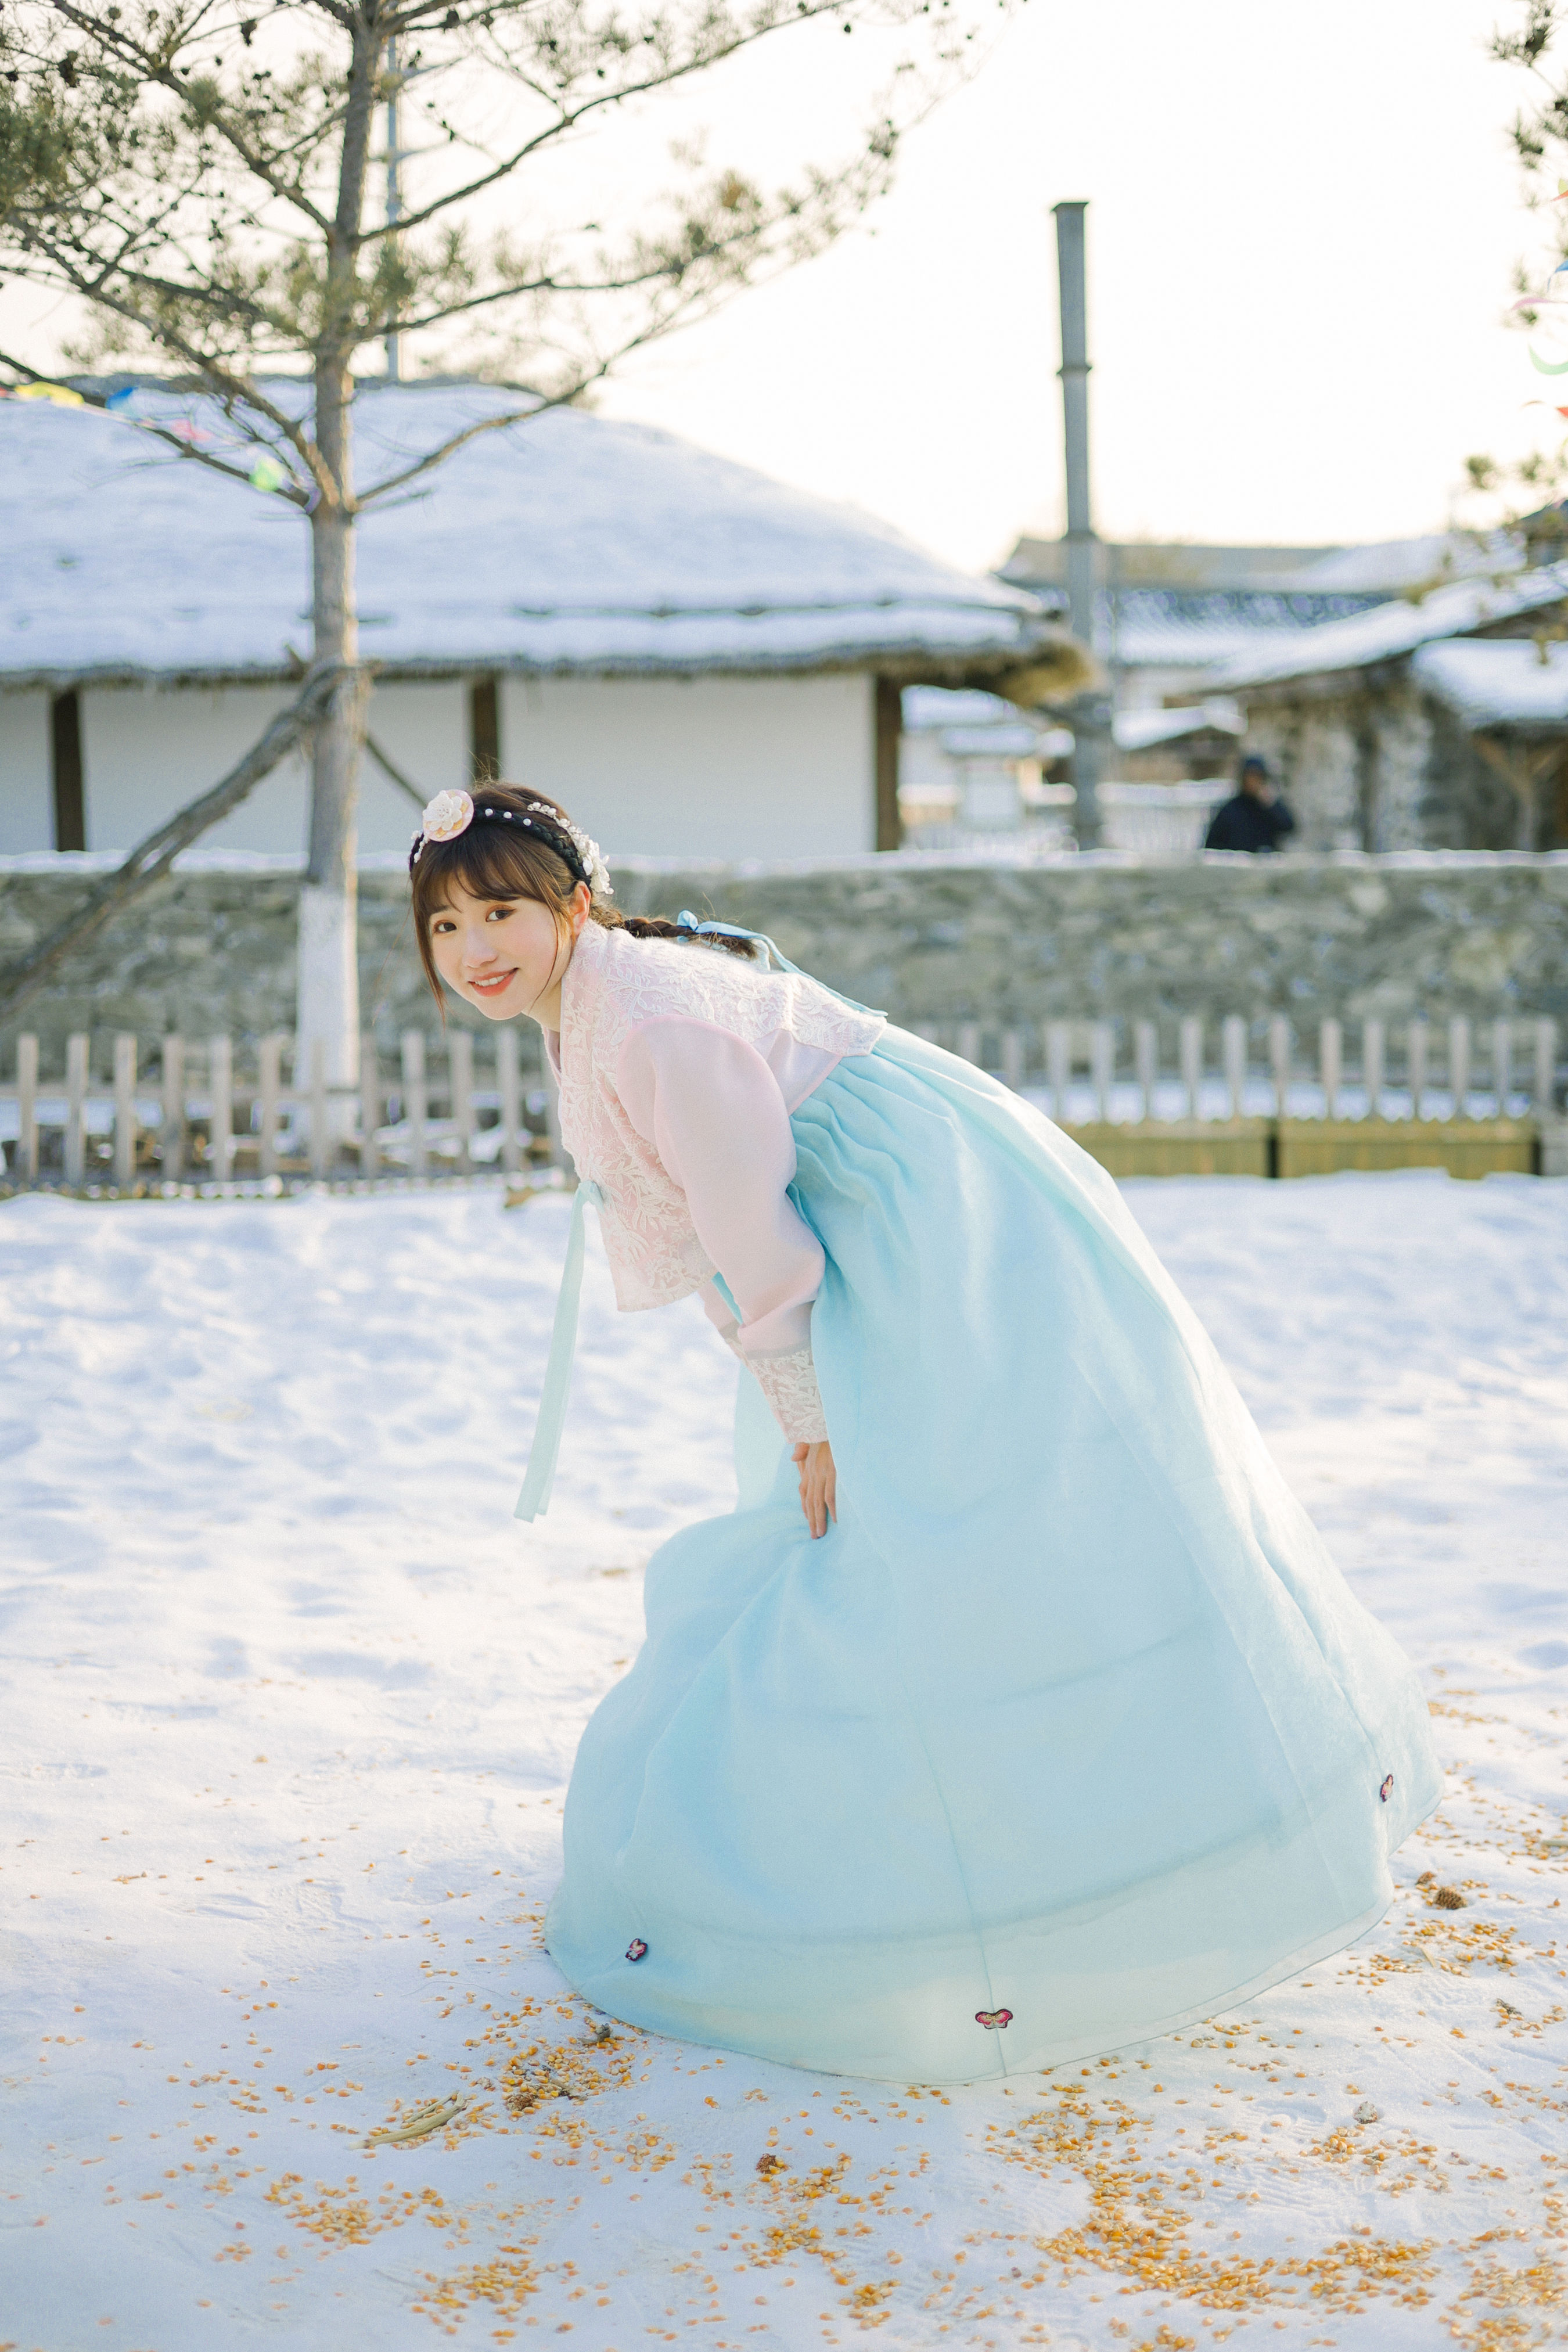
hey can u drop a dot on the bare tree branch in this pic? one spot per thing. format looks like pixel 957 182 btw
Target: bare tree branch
pixel 152 859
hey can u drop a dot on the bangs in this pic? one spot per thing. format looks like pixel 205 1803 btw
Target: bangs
pixel 491 863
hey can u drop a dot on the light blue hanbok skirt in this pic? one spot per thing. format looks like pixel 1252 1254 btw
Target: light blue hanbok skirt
pixel 1068 1733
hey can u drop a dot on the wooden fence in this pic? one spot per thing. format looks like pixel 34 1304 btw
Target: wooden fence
pixel 1160 1096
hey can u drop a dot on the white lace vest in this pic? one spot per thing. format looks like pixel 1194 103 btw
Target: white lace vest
pixel 614 983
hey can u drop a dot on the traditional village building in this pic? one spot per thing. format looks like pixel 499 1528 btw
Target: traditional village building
pixel 1167 617
pixel 699 660
pixel 1437 722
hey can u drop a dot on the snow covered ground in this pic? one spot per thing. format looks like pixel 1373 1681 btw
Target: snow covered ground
pixel 286 1688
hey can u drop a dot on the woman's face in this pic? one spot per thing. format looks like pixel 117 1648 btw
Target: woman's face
pixel 505 955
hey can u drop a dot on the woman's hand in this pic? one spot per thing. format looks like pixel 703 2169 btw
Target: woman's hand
pixel 818 1485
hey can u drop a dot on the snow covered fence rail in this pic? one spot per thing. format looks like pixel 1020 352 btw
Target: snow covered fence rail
pixel 197 1120
pixel 1243 1096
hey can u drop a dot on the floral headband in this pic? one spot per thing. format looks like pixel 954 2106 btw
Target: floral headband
pixel 450 813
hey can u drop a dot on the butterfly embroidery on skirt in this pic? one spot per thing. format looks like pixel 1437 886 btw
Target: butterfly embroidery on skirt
pixel 1388 1789
pixel 991 2018
pixel 636 1948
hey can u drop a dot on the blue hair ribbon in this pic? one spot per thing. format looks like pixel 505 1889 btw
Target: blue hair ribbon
pixel 687 921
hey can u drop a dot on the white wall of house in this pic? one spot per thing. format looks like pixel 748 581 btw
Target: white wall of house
pixel 715 767
pixel 147 751
pixel 26 795
pixel 706 767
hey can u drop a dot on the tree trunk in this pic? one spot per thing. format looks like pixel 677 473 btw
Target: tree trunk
pixel 328 990
pixel 327 1005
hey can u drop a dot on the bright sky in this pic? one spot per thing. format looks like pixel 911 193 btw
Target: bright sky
pixel 1302 225
pixel 1302 228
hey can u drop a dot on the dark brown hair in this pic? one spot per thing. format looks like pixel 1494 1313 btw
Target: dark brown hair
pixel 501 861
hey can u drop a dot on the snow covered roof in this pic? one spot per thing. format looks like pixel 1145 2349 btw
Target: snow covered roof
pixel 929 708
pixel 567 543
pixel 1140 731
pixel 1498 682
pixel 1388 632
pixel 1390 566
pixel 972 725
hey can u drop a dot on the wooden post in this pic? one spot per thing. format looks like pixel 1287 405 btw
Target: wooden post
pixel 1417 1043
pixel 125 1108
pixel 1329 1066
pixel 1546 1087
pixel 1190 1048
pixel 369 1106
pixel 1058 1066
pixel 1102 1066
pixel 461 1069
pixel 1013 1046
pixel 1371 1069
pixel 76 1108
pixel 65 760
pixel 1235 1050
pixel 1502 1065
pixel 320 1138
pixel 271 1058
pixel 1279 1064
pixel 1146 1062
pixel 173 1155
pixel 888 730
pixel 484 732
pixel 28 1109
pixel 220 1085
pixel 1459 1064
pixel 509 1086
pixel 414 1097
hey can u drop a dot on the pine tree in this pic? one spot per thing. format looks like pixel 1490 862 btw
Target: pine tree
pixel 200 177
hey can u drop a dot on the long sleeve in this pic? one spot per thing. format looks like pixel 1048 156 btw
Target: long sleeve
pixel 711 1108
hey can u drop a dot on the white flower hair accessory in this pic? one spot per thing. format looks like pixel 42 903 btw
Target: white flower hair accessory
pixel 447 815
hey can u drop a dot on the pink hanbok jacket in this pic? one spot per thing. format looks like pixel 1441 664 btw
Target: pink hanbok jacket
pixel 679 1066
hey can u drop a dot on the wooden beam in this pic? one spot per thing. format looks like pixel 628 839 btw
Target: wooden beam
pixel 890 727
pixel 1523 768
pixel 65 750
pixel 484 732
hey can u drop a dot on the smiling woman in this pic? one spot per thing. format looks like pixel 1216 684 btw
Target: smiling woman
pixel 1054 1726
pixel 503 887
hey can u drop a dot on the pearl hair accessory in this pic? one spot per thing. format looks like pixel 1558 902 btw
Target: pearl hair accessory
pixel 452 813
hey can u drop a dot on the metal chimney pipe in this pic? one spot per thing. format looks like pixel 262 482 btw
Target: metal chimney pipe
pixel 1090 717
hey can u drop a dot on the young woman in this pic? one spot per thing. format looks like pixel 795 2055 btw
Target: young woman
pixel 1018 1712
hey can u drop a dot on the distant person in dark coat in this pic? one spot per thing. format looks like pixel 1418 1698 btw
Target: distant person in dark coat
pixel 1256 819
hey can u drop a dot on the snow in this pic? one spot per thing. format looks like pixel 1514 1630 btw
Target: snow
pixel 568 542
pixel 282 1674
pixel 1140 731
pixel 1388 631
pixel 1385 565
pixel 1499 682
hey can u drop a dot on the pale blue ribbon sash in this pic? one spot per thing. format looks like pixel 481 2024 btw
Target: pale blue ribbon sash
pixel 687 921
pixel 538 1478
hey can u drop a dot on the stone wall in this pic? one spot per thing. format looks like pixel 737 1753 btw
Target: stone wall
pixel 929 939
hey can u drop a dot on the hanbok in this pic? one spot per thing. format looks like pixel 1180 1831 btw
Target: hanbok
pixel 1069 1731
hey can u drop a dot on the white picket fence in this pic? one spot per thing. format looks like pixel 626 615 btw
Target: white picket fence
pixel 203 1118
pixel 1140 1072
